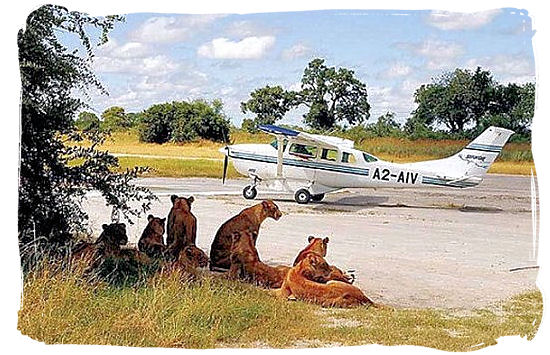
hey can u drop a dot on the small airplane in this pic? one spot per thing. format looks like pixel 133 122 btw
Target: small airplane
pixel 311 165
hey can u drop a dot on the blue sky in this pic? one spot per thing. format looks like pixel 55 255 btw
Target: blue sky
pixel 154 58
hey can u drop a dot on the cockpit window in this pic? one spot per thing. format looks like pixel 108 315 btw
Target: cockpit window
pixel 369 158
pixel 275 144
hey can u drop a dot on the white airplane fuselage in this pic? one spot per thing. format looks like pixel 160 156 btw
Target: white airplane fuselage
pixel 324 175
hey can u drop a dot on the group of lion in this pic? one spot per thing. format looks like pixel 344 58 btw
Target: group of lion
pixel 233 251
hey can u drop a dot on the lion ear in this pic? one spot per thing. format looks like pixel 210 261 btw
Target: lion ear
pixel 265 204
pixel 173 198
pixel 310 238
pixel 191 199
pixel 236 236
pixel 105 226
pixel 325 240
pixel 163 220
pixel 150 217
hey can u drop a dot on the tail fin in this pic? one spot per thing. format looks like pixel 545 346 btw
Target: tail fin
pixel 472 162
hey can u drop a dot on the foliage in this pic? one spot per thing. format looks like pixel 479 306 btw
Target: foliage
pixel 332 95
pixel 114 118
pixel 269 103
pixel 51 187
pixel 249 125
pixel 182 121
pixel 464 99
pixel 385 126
pixel 87 121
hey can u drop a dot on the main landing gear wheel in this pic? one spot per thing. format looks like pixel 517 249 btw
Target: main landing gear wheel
pixel 250 192
pixel 302 196
pixel 318 197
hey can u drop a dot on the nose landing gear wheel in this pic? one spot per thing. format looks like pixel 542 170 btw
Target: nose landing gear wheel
pixel 318 197
pixel 302 196
pixel 249 192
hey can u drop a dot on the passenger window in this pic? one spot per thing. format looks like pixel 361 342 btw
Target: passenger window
pixel 302 150
pixel 329 154
pixel 369 158
pixel 348 158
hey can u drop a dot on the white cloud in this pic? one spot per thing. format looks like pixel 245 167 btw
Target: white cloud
pixel 128 50
pixel 460 21
pixel 439 54
pixel 242 29
pixel 171 29
pixel 397 70
pixel 247 48
pixel 506 68
pixel 298 50
pixel 158 65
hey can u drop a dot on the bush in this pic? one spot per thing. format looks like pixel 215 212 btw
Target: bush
pixel 182 122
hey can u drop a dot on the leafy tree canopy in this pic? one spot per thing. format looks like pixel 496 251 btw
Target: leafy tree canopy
pixel 55 174
pixel 332 95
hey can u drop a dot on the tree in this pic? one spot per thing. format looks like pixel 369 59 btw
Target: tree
pixel 333 96
pixel 385 126
pixel 54 173
pixel 269 103
pixel 181 121
pixel 464 99
pixel 454 100
pixel 114 118
pixel 87 121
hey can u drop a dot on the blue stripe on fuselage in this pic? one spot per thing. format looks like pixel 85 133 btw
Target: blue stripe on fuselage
pixel 300 163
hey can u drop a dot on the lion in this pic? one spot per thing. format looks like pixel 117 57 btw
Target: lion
pixel 248 219
pixel 246 264
pixel 193 256
pixel 181 229
pixel 318 246
pixel 298 284
pixel 151 242
pixel 108 244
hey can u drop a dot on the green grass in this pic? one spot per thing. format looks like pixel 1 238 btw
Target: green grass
pixel 170 311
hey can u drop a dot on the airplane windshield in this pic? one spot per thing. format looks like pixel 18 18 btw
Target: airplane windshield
pixel 369 158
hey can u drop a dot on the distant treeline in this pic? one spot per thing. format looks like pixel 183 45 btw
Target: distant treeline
pixel 177 121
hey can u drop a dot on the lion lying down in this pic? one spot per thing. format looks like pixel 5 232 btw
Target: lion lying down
pixel 298 284
pixel 319 247
pixel 246 264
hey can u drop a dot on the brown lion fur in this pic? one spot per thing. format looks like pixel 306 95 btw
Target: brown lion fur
pixel 181 229
pixel 332 294
pixel 108 244
pixel 246 264
pixel 248 219
pixel 151 242
pixel 193 256
pixel 319 247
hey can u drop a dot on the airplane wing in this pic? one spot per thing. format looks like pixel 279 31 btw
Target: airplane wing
pixel 329 141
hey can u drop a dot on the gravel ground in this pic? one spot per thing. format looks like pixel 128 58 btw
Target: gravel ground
pixel 426 248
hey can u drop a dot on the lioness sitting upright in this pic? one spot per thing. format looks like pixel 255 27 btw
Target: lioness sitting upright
pixel 246 264
pixel 319 247
pixel 248 219
pixel 332 294
pixel 181 229
pixel 151 242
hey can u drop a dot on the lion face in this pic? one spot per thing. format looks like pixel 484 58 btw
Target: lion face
pixel 114 233
pixel 314 267
pixel 318 245
pixel 272 209
pixel 182 203
pixel 156 224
